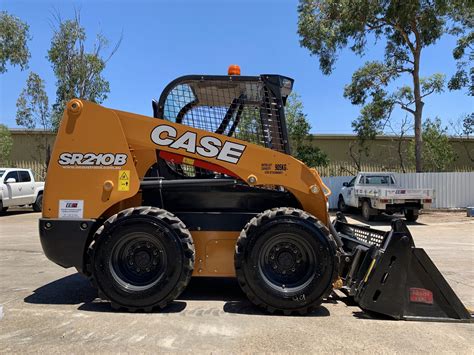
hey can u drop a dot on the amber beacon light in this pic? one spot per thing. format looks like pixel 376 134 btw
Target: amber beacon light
pixel 234 69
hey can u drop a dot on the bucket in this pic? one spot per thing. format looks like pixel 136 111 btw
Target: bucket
pixel 470 211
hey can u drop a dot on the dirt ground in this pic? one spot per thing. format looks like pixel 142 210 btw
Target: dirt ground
pixel 45 308
pixel 432 217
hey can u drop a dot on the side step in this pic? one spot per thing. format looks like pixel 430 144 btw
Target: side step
pixel 392 277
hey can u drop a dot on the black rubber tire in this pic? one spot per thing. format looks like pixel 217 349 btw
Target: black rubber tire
pixel 411 215
pixel 341 205
pixel 38 205
pixel 158 226
pixel 3 209
pixel 367 211
pixel 265 229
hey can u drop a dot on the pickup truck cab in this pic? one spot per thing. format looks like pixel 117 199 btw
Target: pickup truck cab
pixel 18 188
pixel 374 193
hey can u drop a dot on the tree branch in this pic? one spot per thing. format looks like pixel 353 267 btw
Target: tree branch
pixel 403 70
pixel 404 106
pixel 405 37
pixel 353 157
pixel 428 93
pixel 375 27
pixel 403 59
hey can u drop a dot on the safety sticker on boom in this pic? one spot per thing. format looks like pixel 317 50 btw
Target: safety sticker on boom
pixel 124 180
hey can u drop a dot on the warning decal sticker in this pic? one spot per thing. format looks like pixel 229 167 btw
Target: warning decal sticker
pixel 71 208
pixel 124 180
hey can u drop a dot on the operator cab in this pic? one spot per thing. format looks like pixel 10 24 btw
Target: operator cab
pixel 250 108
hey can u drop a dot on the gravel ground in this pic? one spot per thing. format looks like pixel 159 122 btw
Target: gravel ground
pixel 44 308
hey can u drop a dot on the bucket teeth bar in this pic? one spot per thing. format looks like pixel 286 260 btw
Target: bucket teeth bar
pixel 387 274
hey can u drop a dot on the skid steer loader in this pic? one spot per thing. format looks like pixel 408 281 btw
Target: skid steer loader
pixel 208 188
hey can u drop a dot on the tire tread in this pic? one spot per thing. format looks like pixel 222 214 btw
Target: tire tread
pixel 175 224
pixel 242 241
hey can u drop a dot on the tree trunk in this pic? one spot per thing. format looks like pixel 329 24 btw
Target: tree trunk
pixel 355 159
pixel 400 153
pixel 418 113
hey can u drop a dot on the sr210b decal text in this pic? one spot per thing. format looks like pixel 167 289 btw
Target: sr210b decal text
pixel 92 160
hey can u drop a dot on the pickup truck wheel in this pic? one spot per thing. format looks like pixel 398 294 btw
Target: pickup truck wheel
pixel 411 215
pixel 341 205
pixel 142 258
pixel 38 205
pixel 285 261
pixel 367 211
pixel 3 209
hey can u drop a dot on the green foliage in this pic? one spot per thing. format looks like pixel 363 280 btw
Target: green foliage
pixel 13 37
pixel 372 116
pixel 326 26
pixel 466 133
pixel 468 125
pixel 298 131
pixel 78 71
pixel 438 152
pixel 33 112
pixel 432 84
pixel 6 144
pixel 296 123
pixel 33 106
pixel 370 82
pixel 249 128
pixel 312 156
pixel 406 27
pixel 464 54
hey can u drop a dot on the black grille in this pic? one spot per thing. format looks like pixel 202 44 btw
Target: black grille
pixel 244 109
pixel 363 234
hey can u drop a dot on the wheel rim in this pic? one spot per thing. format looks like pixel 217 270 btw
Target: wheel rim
pixel 138 262
pixel 287 263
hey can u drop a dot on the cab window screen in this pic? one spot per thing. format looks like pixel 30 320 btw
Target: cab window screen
pixel 12 174
pixel 351 183
pixel 24 176
pixel 245 110
pixel 377 180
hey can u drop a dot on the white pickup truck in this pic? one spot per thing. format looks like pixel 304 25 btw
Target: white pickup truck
pixel 375 193
pixel 18 188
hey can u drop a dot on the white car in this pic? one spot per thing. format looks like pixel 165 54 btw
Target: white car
pixel 375 193
pixel 19 188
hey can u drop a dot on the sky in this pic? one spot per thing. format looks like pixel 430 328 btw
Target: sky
pixel 163 40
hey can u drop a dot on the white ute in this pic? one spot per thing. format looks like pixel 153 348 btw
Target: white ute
pixel 375 193
pixel 18 188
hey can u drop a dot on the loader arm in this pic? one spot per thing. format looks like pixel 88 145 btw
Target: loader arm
pixel 96 145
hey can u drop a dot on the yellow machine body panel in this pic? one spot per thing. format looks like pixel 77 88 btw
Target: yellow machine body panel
pixel 101 155
pixel 96 145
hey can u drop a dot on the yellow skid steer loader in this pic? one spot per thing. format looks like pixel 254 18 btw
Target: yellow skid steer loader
pixel 208 188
